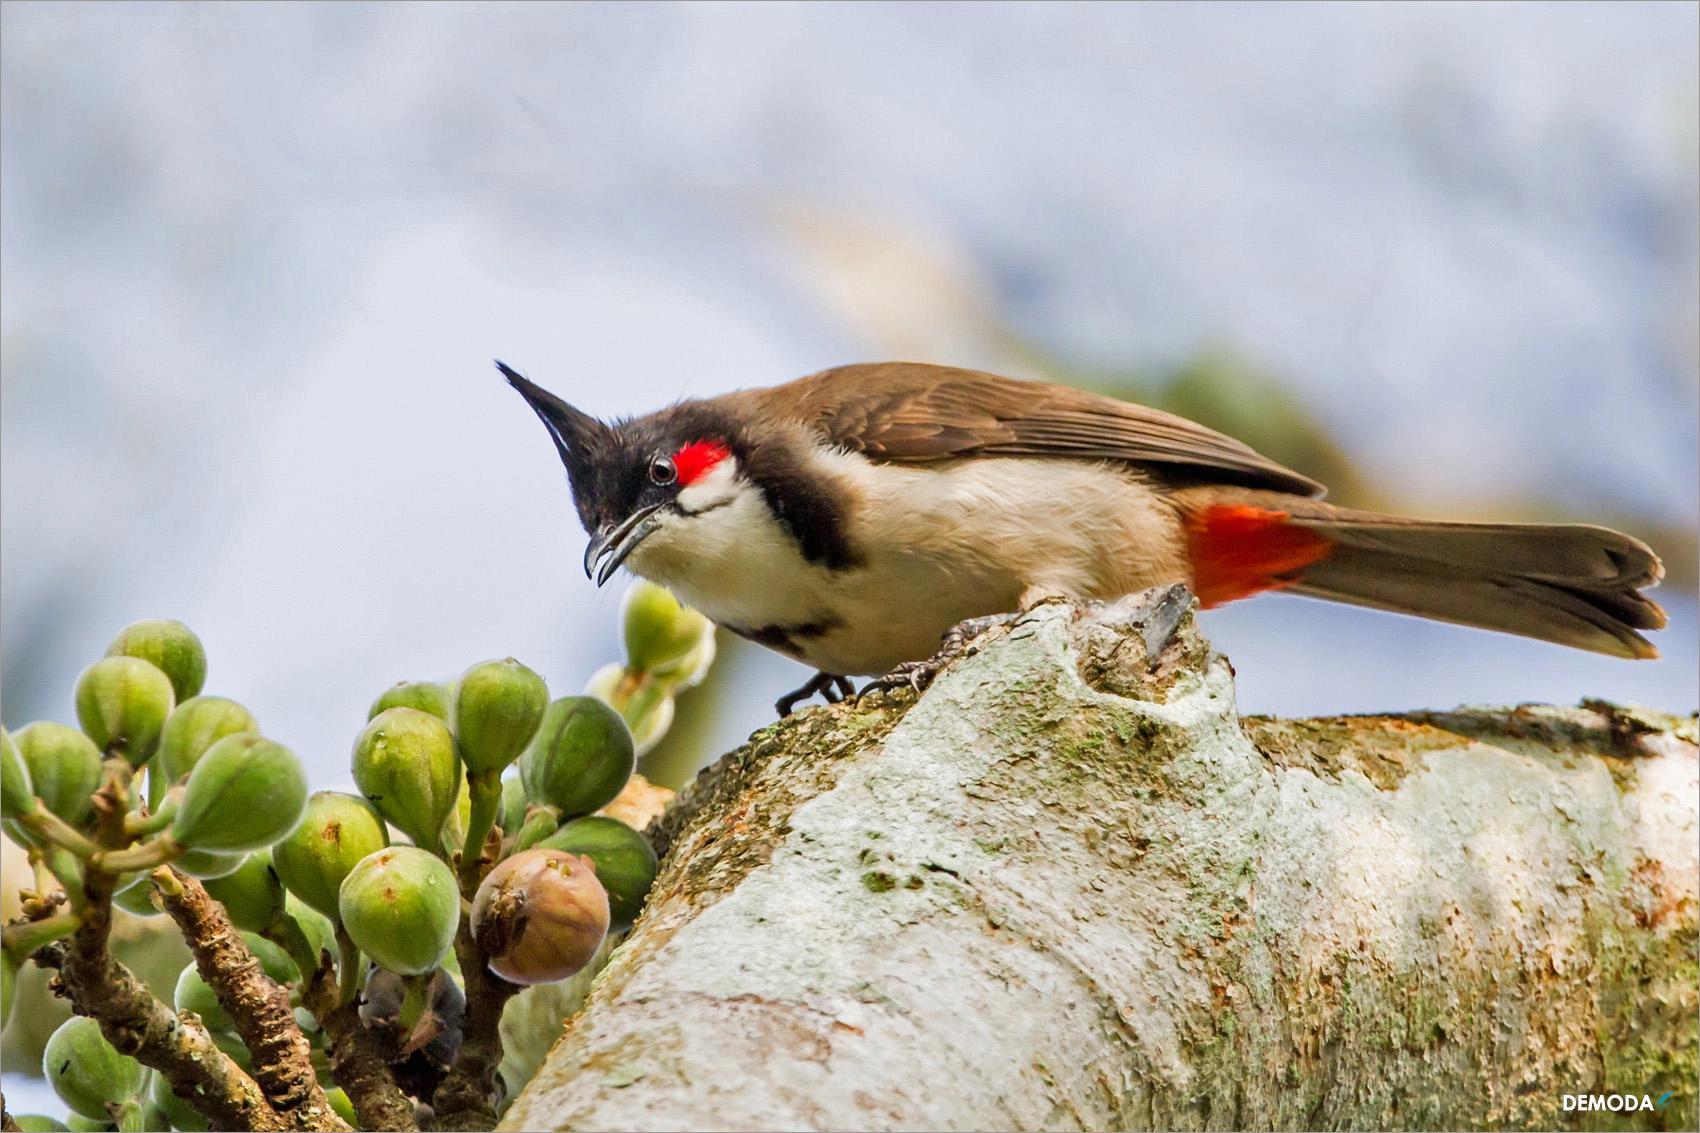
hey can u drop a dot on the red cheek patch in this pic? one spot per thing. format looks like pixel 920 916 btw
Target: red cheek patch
pixel 697 459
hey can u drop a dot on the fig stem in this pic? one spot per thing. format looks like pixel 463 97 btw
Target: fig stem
pixel 286 932
pixel 347 966
pixel 49 827
pixel 540 822
pixel 140 826
pixel 24 939
pixel 145 856
pixel 485 788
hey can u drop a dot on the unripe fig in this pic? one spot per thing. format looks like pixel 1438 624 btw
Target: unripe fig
pixel 339 1101
pixel 194 726
pixel 513 805
pixel 208 864
pixel 136 898
pixel 86 1072
pixel 580 758
pixel 178 1112
pixel 77 1123
pixel 171 647
pixel 64 768
pixel 659 631
pixel 540 916
pixel 38 1123
pixel 643 700
pixel 251 893
pixel 453 833
pixel 498 705
pixel 122 703
pixel 17 796
pixel 401 907
pixel 406 765
pixel 244 793
pixel 624 860
pixel 426 696
pixel 320 933
pixel 335 833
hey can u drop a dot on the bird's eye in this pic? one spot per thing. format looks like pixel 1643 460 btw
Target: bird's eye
pixel 662 471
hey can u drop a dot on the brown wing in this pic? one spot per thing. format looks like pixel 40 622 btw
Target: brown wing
pixel 911 411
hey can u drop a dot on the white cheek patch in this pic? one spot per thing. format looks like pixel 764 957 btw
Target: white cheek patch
pixel 714 488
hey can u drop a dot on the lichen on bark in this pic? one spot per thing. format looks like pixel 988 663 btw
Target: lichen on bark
pixel 1069 888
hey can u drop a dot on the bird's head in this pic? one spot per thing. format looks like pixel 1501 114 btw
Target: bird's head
pixel 632 478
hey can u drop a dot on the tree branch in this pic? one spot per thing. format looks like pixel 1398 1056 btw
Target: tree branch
pixel 1070 887
pixel 259 1008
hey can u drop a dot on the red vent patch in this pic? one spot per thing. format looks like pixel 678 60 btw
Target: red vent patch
pixel 1238 551
pixel 697 459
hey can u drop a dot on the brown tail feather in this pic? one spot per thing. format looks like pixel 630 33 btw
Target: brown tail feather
pixel 1574 585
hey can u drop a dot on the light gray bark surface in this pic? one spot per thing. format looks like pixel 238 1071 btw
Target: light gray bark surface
pixel 1071 888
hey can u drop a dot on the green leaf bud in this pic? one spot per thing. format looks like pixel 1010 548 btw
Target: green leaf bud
pixel 17 796
pixel 580 758
pixel 86 1071
pixel 178 1112
pixel 540 916
pixel 401 907
pixel 425 696
pixel 171 647
pixel 498 705
pixel 122 703
pixel 194 726
pixel 659 631
pixel 406 764
pixel 251 893
pixel 64 768
pixel 244 793
pixel 625 861
pixel 337 831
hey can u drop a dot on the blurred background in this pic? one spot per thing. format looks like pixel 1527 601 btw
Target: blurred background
pixel 256 260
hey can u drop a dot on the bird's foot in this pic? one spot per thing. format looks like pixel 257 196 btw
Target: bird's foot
pixel 830 686
pixel 956 644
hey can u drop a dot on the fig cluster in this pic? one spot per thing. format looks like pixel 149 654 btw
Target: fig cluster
pixel 472 835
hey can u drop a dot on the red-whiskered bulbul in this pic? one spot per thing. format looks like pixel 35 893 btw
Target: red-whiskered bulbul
pixel 849 519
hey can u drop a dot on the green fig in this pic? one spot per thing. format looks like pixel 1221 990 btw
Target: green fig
pixel 194 726
pixel 77 1123
pixel 136 898
pixel 625 861
pixel 401 907
pixel 244 793
pixel 339 1101
pixel 178 1112
pixel 251 893
pixel 498 705
pixel 64 768
pixel 171 647
pixel 320 933
pixel 406 764
pixel 38 1123
pixel 122 703
pixel 580 758
pixel 86 1072
pixel 540 916
pixel 9 966
pixel 336 832
pixel 208 864
pixel 17 795
pixel 512 812
pixel 428 697
pixel 659 631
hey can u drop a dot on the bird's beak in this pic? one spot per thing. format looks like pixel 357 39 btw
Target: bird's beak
pixel 610 546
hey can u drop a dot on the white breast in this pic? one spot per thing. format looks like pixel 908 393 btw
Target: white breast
pixel 939 544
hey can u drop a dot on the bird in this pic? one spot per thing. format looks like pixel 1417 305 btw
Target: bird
pixel 861 519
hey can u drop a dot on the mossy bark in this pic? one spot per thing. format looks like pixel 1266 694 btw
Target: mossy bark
pixel 1071 888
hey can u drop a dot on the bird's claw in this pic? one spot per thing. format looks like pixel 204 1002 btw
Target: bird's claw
pixel 831 688
pixel 918 676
